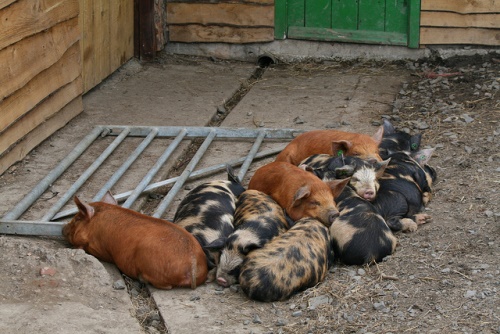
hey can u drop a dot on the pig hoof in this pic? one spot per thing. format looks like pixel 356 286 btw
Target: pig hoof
pixel 422 218
pixel 426 197
pixel 408 225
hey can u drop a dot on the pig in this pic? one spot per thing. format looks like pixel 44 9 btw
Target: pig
pixel 397 141
pixel 152 250
pixel 332 142
pixel 364 174
pixel 258 219
pixel 299 192
pixel 207 212
pixel 405 189
pixel 359 235
pixel 291 262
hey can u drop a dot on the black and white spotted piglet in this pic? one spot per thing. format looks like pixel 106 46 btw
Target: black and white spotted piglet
pixel 364 174
pixel 405 189
pixel 359 235
pixel 397 141
pixel 257 219
pixel 293 261
pixel 207 212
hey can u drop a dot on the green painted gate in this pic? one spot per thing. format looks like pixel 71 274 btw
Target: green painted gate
pixel 392 22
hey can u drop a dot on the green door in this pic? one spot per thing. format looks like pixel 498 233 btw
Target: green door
pixel 392 22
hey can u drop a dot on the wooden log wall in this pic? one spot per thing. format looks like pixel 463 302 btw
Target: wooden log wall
pixel 460 22
pixel 241 21
pixel 40 73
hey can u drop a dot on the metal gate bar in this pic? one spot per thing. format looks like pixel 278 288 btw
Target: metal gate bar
pixel 200 172
pixel 84 177
pixel 152 172
pixel 10 225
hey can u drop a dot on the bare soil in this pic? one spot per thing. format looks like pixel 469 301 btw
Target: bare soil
pixel 443 278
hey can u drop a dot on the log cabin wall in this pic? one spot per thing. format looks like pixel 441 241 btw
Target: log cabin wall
pixel 237 22
pixel 40 73
pixel 470 22
pixel 51 52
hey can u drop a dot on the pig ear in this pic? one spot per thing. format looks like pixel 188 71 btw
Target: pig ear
pixel 108 198
pixel 307 168
pixel 344 171
pixel 231 176
pixel 86 210
pixel 340 147
pixel 388 127
pixel 216 245
pixel 380 167
pixel 422 157
pixel 302 193
pixel 379 134
pixel 337 186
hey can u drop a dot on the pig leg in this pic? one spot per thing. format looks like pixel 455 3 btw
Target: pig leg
pixel 408 225
pixel 422 218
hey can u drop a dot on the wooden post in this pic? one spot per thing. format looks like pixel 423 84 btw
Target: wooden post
pixel 144 32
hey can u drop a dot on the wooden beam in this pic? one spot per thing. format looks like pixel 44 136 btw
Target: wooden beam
pixel 67 69
pixel 145 25
pixel 447 19
pixel 462 6
pixel 254 2
pixel 474 36
pixel 39 52
pixel 40 114
pixel 198 33
pixel 5 3
pixel 221 14
pixel 23 18
pixel 121 33
pixel 42 132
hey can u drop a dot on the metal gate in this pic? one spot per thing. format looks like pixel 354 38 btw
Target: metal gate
pixel 49 224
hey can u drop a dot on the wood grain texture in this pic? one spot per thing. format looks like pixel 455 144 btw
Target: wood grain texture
pixel 5 3
pixel 447 19
pixel 42 132
pixel 462 6
pixel 41 113
pixel 67 69
pixel 198 33
pixel 221 14
pixel 473 36
pixel 39 52
pixel 27 17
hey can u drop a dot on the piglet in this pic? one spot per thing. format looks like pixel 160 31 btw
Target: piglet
pixel 332 142
pixel 398 141
pixel 151 250
pixel 299 192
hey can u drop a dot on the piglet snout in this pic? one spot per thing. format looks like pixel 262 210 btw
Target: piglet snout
pixel 221 281
pixel 332 215
pixel 369 195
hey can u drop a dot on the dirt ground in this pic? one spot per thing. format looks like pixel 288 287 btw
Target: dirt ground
pixel 443 278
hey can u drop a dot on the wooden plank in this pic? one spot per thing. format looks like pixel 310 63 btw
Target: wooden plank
pixel 414 24
pixel 199 33
pixel 39 52
pixel 222 14
pixel 5 3
pixel 447 19
pixel 396 16
pixel 121 33
pixel 67 69
pixel 147 38
pixel 345 14
pixel 295 14
pixel 462 6
pixel 42 132
pixel 475 36
pixel 88 52
pixel 318 13
pixel 101 40
pixel 23 18
pixel 355 36
pixel 280 19
pixel 367 20
pixel 40 114
pixel 256 2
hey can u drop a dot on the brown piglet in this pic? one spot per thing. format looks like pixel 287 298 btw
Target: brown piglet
pixel 300 193
pixel 151 250
pixel 332 142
